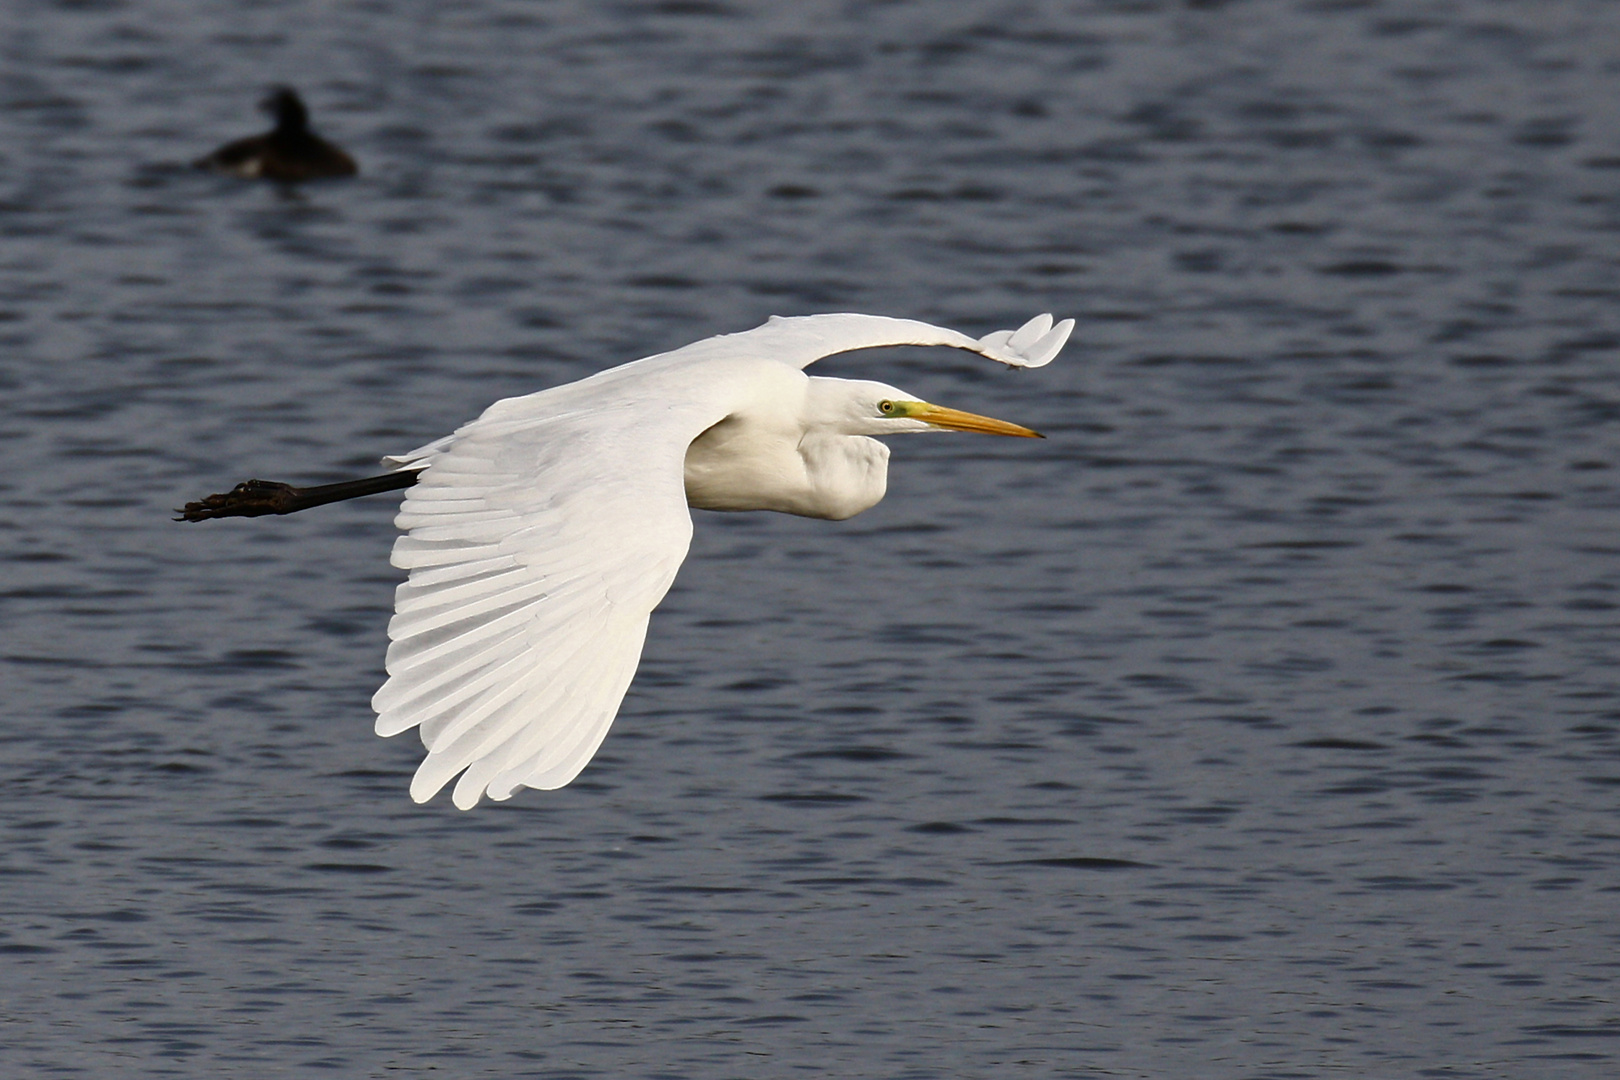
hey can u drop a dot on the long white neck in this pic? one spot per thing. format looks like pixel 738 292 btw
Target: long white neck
pixel 771 455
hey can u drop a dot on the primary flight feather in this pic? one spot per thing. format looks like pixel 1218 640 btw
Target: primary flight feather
pixel 540 536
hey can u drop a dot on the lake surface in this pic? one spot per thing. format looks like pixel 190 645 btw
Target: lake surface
pixel 1264 721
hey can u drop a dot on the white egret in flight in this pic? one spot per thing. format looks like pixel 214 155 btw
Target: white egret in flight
pixel 540 537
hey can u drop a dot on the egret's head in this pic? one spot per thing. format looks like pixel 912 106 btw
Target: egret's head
pixel 872 408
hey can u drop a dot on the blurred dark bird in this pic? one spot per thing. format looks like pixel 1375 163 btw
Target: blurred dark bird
pixel 288 152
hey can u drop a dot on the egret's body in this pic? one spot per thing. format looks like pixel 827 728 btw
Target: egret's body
pixel 540 537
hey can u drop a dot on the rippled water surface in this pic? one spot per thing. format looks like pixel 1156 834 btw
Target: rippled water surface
pixel 1262 722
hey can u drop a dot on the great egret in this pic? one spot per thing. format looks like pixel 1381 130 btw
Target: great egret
pixel 540 537
pixel 287 152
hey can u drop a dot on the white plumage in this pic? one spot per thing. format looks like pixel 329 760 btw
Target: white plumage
pixel 540 537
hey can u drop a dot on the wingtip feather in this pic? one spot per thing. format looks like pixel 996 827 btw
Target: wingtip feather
pixel 1030 332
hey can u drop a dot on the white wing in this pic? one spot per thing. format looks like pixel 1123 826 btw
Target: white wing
pixel 804 339
pixel 1032 345
pixel 537 545
pixel 541 536
pixel 800 340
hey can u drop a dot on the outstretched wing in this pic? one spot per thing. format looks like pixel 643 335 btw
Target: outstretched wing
pixel 538 541
pixel 803 339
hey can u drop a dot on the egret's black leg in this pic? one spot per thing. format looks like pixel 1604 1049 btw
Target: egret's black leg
pixel 254 498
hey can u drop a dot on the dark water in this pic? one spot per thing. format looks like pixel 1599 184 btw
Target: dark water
pixel 1263 722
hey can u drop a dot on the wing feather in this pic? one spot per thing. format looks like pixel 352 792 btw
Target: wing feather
pixel 431 577
pixel 558 670
pixel 456 740
pixel 411 552
pixel 430 644
pixel 430 588
pixel 538 539
pixel 801 340
pixel 487 737
pixel 416 702
pixel 552 763
pixel 418 618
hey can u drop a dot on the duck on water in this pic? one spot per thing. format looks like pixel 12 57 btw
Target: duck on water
pixel 290 151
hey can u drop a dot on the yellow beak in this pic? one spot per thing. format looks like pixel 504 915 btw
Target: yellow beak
pixel 957 420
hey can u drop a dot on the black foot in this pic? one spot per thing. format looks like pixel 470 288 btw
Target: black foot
pixel 258 497
pixel 252 498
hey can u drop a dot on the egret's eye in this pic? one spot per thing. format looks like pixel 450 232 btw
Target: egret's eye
pixel 886 408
